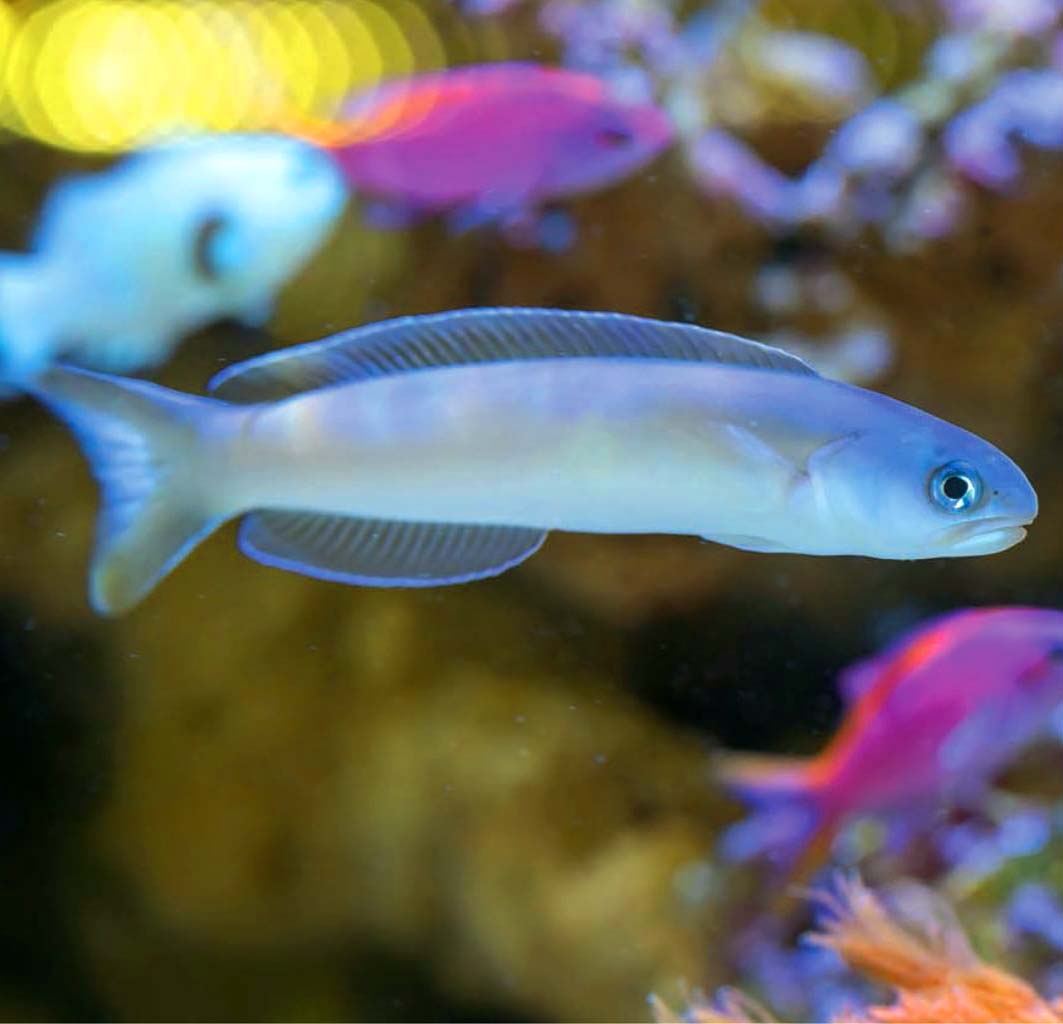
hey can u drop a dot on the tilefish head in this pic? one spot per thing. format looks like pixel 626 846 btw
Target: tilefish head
pixel 929 491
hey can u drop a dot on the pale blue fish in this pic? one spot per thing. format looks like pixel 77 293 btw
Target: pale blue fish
pixel 125 262
pixel 440 449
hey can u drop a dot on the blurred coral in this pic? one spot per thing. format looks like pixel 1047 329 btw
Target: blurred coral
pixel 917 948
pixel 728 1007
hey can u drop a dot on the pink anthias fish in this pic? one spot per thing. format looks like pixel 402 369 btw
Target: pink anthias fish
pixel 931 720
pixel 492 143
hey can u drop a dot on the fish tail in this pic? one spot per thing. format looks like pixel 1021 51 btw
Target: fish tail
pixel 791 825
pixel 144 445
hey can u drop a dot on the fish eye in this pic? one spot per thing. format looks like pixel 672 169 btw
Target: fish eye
pixel 614 138
pixel 204 247
pixel 956 486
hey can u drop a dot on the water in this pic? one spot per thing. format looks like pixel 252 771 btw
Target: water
pixel 261 796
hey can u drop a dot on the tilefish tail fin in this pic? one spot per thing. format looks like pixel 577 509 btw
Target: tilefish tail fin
pixel 142 442
pixel 791 825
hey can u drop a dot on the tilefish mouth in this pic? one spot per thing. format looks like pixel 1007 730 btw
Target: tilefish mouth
pixel 985 536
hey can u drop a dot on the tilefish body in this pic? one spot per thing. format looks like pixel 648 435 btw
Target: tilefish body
pixel 441 449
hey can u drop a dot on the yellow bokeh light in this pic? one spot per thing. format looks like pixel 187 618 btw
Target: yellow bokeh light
pixel 358 61
pixel 109 75
pixel 227 69
pixel 31 69
pixel 7 30
pixel 289 52
pixel 107 87
pixel 428 52
pixel 327 119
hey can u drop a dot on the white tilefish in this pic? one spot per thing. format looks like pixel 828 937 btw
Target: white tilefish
pixel 440 449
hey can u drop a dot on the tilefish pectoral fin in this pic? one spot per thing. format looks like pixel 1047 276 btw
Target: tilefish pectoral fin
pixel 142 443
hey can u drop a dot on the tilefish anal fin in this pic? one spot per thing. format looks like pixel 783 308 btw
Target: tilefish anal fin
pixel 376 552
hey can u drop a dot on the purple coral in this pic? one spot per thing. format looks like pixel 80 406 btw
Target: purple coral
pixel 600 35
pixel 885 139
pixel 1026 104
pixel 1003 17
pixel 724 166
pixel 1034 909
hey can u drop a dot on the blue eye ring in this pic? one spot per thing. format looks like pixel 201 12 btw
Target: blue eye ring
pixel 956 486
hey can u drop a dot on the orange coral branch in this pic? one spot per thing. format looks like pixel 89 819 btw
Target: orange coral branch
pixel 872 942
pixel 919 950
pixel 936 974
pixel 730 1006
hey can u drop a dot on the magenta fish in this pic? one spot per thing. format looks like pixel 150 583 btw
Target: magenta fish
pixel 492 143
pixel 930 721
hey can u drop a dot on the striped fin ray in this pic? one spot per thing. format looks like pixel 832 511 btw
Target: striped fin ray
pixel 377 552
pixel 470 336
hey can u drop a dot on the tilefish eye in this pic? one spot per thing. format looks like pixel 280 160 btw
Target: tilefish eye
pixel 956 486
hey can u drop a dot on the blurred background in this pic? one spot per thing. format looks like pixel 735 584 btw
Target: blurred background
pixel 260 796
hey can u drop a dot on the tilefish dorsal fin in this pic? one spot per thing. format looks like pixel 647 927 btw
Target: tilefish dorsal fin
pixel 470 336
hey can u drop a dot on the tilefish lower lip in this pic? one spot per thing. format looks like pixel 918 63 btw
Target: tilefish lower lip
pixel 989 526
pixel 990 541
